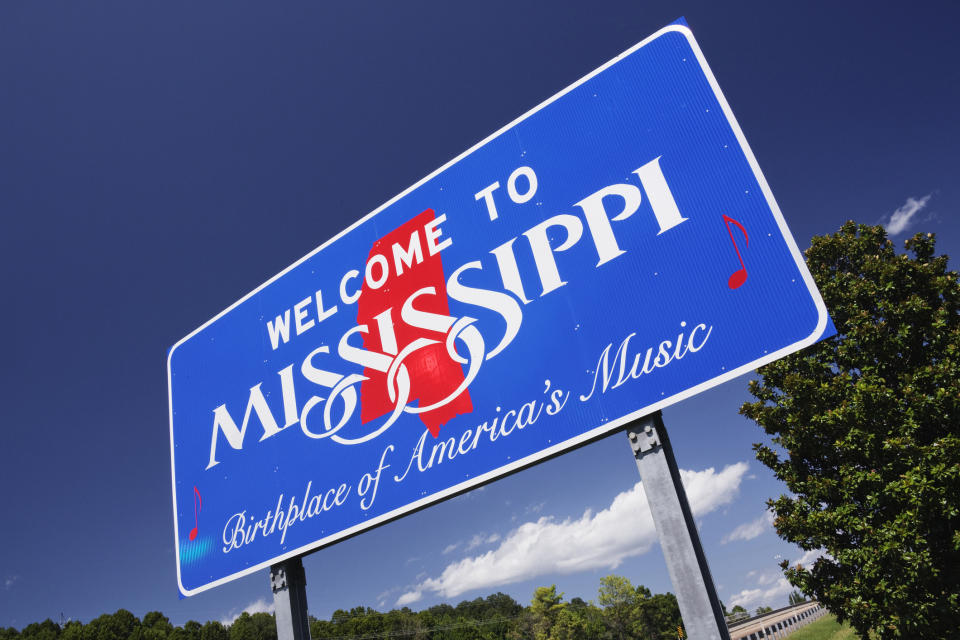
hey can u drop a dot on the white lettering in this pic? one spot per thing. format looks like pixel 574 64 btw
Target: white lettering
pixel 495 301
pixel 299 313
pixel 531 177
pixel 433 231
pixel 661 199
pixel 543 252
pixel 598 220
pixel 424 319
pixel 615 371
pixel 406 258
pixel 487 195
pixel 280 330
pixel 323 314
pixel 224 423
pixel 376 283
pixel 349 298
pixel 509 271
pixel 289 397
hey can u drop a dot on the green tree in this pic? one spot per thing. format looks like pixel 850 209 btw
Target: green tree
pixel 243 628
pixel 320 629
pixel 864 428
pixel 544 609
pixel 738 613
pixel 266 625
pixel 796 597
pixel 178 633
pixel 659 616
pixel 116 626
pixel 91 628
pixel 522 627
pixel 619 600
pixel 41 630
pixel 593 619
pixel 213 630
pixel 763 610
pixel 155 626
pixel 46 630
pixel 191 630
pixel 498 615
pixel 569 624
pixel 73 630
pixel 121 625
pixel 503 605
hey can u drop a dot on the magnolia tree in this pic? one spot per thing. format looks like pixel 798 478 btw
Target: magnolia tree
pixel 865 436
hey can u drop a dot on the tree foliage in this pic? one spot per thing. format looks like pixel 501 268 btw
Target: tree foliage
pixel 659 616
pixel 625 613
pixel 865 437
pixel 619 599
pixel 545 608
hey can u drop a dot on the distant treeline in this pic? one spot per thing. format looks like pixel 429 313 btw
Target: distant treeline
pixel 621 612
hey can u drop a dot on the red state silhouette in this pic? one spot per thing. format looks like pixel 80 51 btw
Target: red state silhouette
pixel 433 374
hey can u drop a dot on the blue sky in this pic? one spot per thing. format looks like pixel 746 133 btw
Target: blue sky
pixel 159 161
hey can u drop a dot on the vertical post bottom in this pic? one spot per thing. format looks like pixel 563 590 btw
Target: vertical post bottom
pixel 686 563
pixel 289 583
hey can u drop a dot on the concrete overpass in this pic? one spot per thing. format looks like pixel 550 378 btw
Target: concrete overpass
pixel 776 624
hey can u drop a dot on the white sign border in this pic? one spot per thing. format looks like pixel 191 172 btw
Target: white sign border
pixel 607 427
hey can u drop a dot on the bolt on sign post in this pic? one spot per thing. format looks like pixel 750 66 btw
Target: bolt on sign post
pixel 611 252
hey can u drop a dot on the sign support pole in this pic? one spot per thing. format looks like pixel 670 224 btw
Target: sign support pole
pixel 289 583
pixel 696 594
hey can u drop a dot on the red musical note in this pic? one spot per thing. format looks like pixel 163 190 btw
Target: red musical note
pixel 739 276
pixel 196 499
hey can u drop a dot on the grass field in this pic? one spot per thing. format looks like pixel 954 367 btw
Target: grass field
pixel 826 628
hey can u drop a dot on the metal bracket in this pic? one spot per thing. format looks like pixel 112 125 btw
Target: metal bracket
pixel 643 441
pixel 283 574
pixel 278 577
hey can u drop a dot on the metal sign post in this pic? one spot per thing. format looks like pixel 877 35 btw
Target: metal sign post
pixel 696 595
pixel 289 583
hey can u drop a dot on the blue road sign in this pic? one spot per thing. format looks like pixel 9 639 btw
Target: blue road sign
pixel 611 252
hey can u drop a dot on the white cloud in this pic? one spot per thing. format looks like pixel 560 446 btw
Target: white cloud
pixel 808 558
pixel 772 596
pixel 450 548
pixel 535 508
pixel 903 216
pixel 768 578
pixel 475 541
pixel 479 540
pixel 750 530
pixel 8 583
pixel 772 588
pixel 384 596
pixel 260 606
pixel 408 598
pixel 595 540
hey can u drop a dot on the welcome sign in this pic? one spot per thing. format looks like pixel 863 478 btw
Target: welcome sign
pixel 611 252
